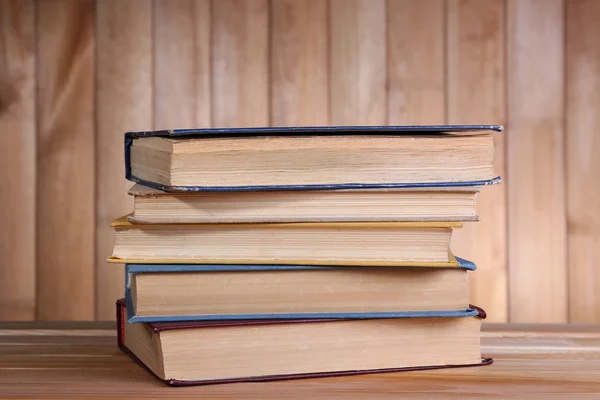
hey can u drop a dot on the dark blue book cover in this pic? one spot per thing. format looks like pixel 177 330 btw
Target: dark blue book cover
pixel 446 130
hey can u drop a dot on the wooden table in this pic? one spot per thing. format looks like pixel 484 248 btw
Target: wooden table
pixel 81 360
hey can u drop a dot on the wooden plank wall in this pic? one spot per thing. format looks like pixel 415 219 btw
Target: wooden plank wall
pixel 17 160
pixel 76 74
pixel 123 99
pixel 65 74
pixel 476 92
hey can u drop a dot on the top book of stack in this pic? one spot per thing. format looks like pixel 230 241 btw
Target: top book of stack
pixel 300 158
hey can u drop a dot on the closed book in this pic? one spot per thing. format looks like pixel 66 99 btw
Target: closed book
pixel 330 243
pixel 192 292
pixel 298 158
pixel 211 352
pixel 437 203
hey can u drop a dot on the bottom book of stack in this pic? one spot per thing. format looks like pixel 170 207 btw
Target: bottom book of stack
pixel 252 350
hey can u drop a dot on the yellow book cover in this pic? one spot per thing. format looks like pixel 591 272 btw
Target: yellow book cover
pixel 122 223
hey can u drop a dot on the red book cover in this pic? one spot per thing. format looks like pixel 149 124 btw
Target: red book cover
pixel 160 327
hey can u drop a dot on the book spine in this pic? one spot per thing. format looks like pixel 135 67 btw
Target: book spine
pixel 120 323
pixel 128 142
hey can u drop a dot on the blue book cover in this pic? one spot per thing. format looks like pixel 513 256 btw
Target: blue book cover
pixel 132 269
pixel 306 131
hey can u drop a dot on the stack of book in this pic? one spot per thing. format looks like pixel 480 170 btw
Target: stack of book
pixel 275 253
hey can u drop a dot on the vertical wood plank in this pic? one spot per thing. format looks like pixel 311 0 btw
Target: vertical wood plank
pixel 583 159
pixel 416 81
pixel 17 160
pixel 240 63
pixel 535 179
pixel 124 103
pixel 299 62
pixel 65 160
pixel 476 95
pixel 182 64
pixel 358 62
pixel 202 66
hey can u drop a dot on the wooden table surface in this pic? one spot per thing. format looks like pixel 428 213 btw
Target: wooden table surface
pixel 82 361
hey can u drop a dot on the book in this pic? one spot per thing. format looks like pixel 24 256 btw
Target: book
pixel 331 243
pixel 157 293
pixel 211 352
pixel 311 157
pixel 154 206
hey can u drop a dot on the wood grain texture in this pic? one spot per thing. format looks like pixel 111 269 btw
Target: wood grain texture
pixel 299 62
pixel 530 361
pixel 181 64
pixel 65 160
pixel 358 62
pixel 124 103
pixel 535 169
pixel 583 159
pixel 415 64
pixel 240 63
pixel 476 94
pixel 17 160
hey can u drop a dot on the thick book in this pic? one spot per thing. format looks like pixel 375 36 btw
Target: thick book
pixel 298 158
pixel 154 206
pixel 214 352
pixel 330 243
pixel 157 293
